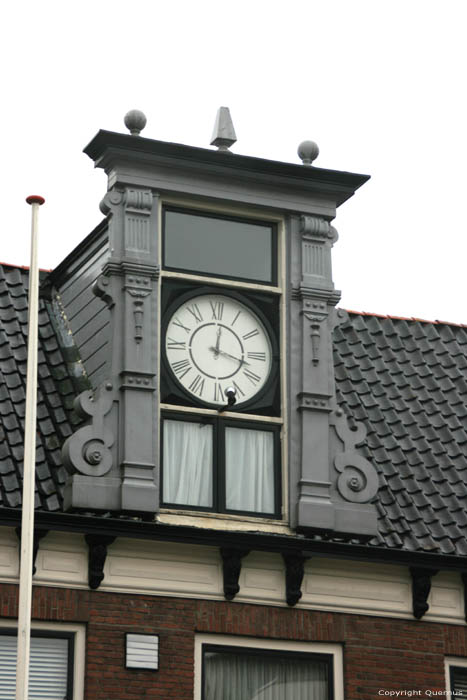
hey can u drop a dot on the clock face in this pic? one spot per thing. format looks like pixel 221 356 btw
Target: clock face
pixel 214 342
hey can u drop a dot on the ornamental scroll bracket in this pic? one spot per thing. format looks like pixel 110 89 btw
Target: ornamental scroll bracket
pixel 88 450
pixel 358 479
pixel 102 288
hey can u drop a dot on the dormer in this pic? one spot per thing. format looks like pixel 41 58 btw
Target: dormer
pixel 205 328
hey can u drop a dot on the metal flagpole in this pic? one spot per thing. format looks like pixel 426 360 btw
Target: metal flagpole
pixel 29 468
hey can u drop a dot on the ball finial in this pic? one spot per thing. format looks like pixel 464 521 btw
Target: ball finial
pixel 135 121
pixel 308 151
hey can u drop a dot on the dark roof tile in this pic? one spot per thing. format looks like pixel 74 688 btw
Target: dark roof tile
pixel 419 386
pixel 55 384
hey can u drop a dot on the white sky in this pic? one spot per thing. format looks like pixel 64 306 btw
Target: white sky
pixel 378 84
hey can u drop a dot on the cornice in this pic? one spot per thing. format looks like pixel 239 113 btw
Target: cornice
pixel 108 148
pixel 149 530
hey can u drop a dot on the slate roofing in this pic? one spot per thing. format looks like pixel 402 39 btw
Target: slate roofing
pixel 59 379
pixel 406 379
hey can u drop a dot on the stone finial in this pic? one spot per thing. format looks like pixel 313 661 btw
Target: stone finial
pixel 308 151
pixel 135 121
pixel 223 134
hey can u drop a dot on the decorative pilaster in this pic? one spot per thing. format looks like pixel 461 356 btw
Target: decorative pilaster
pixel 129 286
pixel 315 297
pixel 335 482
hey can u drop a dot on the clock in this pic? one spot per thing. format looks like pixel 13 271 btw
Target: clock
pixel 214 342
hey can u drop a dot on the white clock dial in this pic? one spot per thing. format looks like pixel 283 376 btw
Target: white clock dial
pixel 214 342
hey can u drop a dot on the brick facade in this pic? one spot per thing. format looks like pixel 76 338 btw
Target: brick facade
pixel 379 653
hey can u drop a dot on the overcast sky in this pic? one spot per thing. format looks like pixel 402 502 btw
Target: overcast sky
pixel 378 84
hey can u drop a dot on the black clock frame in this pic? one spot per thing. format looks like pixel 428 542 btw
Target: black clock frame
pixel 265 306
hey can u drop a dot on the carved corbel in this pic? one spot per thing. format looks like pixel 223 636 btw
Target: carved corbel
pixel 316 227
pixel 464 581
pixel 294 572
pixel 38 535
pixel 112 199
pixel 88 450
pixel 102 289
pixel 97 554
pixel 358 479
pixel 421 586
pixel 232 566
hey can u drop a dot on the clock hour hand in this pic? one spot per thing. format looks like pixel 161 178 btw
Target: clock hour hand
pixel 227 354
pixel 218 340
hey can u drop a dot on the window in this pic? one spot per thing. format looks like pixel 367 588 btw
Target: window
pixel 220 364
pixel 56 662
pixel 223 465
pixel 456 676
pixel 222 246
pixel 245 669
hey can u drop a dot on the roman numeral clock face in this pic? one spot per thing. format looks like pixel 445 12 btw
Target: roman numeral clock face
pixel 214 342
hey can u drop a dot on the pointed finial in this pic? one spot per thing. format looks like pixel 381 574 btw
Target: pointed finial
pixel 223 135
pixel 308 151
pixel 135 121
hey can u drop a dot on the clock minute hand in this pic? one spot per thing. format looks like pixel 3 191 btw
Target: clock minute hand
pixel 232 357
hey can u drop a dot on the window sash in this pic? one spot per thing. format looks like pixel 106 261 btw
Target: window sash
pixel 458 680
pixel 51 665
pixel 243 673
pixel 235 234
pixel 243 473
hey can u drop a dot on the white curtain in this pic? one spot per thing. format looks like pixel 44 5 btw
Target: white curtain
pixel 229 676
pixel 249 470
pixel 187 463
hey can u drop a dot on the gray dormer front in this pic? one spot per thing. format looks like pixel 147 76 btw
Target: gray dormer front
pixel 214 394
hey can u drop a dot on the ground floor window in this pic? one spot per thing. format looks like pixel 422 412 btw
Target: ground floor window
pixel 54 672
pixel 250 669
pixel 458 679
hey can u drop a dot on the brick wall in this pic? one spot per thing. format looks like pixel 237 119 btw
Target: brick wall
pixel 379 653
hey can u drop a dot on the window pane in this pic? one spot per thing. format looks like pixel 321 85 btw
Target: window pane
pixel 187 461
pixel 249 470
pixel 221 247
pixel 48 674
pixel 459 681
pixel 243 676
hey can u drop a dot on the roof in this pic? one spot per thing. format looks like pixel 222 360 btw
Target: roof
pixel 406 379
pixel 59 379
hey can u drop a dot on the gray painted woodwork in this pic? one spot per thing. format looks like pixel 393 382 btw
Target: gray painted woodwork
pixel 87 316
pixel 114 459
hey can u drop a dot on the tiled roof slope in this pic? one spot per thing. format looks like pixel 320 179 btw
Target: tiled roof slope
pixel 56 391
pixel 407 380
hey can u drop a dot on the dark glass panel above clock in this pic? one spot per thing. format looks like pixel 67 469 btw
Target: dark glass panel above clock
pixel 219 246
